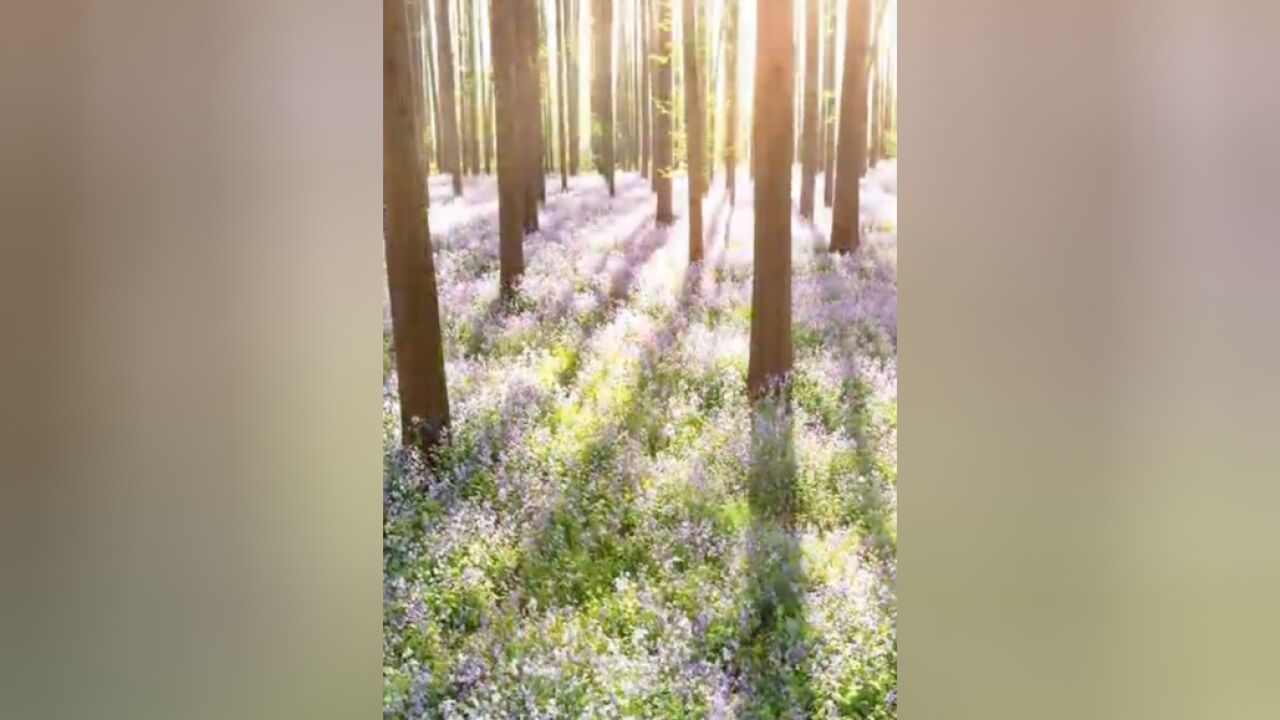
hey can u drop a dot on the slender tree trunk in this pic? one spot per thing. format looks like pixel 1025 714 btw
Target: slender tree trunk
pixel 506 52
pixel 772 131
pixel 562 39
pixel 528 92
pixel 731 101
pixel 852 149
pixel 662 109
pixel 449 146
pixel 437 122
pixel 693 120
pixel 810 140
pixel 575 107
pixel 602 88
pixel 538 30
pixel 646 128
pixel 411 275
pixel 828 101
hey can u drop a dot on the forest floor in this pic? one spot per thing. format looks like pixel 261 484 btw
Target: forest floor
pixel 612 531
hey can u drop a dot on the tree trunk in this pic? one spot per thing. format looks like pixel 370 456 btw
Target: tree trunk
pixel 437 124
pixel 602 88
pixel 525 98
pixel 828 101
pixel 662 109
pixel 731 101
pixel 575 107
pixel 770 360
pixel 693 120
pixel 646 127
pixel 506 54
pixel 449 146
pixel 852 149
pixel 810 140
pixel 562 39
pixel 411 275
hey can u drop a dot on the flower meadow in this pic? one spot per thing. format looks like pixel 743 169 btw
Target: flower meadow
pixel 611 530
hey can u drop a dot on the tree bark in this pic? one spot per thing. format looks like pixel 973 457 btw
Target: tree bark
pixel 852 149
pixel 602 88
pixel 693 120
pixel 506 54
pixel 562 38
pixel 646 128
pixel 772 131
pixel 662 109
pixel 810 140
pixel 731 101
pixel 575 106
pixel 828 101
pixel 411 278
pixel 449 146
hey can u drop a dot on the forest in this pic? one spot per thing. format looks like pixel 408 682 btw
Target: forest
pixel 640 358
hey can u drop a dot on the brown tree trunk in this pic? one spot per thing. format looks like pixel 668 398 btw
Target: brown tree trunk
pixel 527 118
pixel 449 146
pixel 411 275
pixel 506 52
pixel 575 139
pixel 646 127
pixel 772 131
pixel 662 109
pixel 562 67
pixel 693 120
pixel 429 52
pixel 852 149
pixel 828 101
pixel 602 88
pixel 470 132
pixel 731 101
pixel 810 140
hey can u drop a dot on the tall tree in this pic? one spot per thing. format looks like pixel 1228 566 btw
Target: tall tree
pixel 575 106
pixel 430 81
pixel 506 59
pixel 411 275
pixel 449 145
pixel 731 100
pixel 828 100
pixel 772 132
pixel 602 87
pixel 562 67
pixel 852 149
pixel 526 98
pixel 810 140
pixel 694 148
pixel 470 112
pixel 662 114
pixel 646 128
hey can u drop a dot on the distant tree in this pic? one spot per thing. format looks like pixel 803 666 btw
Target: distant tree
pixel 828 100
pixel 852 150
pixel 602 87
pixel 662 114
pixel 771 145
pixel 810 139
pixel 646 124
pixel 562 75
pixel 731 100
pixel 450 152
pixel 575 107
pixel 411 275
pixel 694 147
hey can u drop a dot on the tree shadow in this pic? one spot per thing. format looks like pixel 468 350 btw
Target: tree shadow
pixel 771 664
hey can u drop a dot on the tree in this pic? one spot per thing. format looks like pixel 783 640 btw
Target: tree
pixel 575 107
pixel 646 127
pixel 602 88
pixel 411 275
pixel 562 68
pixel 810 140
pixel 731 100
pixel 449 142
pixel 771 145
pixel 506 59
pixel 662 113
pixel 852 149
pixel 467 71
pixel 828 100
pixel 694 148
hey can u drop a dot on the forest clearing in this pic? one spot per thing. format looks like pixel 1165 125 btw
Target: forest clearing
pixel 650 467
